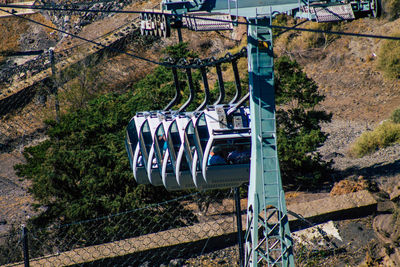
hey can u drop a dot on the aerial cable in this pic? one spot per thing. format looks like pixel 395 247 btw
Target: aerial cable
pixel 87 40
pixel 98 37
pixel 184 64
pixel 301 29
pixel 291 28
pixel 55 8
pixel 119 27
pixel 65 8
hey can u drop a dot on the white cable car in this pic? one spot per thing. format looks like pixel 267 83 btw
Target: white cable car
pixel 133 148
pixel 223 142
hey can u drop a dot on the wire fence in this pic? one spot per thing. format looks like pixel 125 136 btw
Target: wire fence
pixel 181 229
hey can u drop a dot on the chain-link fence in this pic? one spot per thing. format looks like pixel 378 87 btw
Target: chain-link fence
pixel 181 229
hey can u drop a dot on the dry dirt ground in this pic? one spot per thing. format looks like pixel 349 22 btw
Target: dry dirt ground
pixel 357 94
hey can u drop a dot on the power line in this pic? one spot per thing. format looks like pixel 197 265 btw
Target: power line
pixel 98 37
pixel 294 28
pixel 55 8
pixel 63 8
pixel 182 64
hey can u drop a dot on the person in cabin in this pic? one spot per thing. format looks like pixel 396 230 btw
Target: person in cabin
pixel 239 156
pixel 216 156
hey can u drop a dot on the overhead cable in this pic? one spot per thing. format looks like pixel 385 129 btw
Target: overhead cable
pixel 84 39
pixel 170 63
pixel 55 8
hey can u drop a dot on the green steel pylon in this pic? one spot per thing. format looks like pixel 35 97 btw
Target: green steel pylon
pixel 267 238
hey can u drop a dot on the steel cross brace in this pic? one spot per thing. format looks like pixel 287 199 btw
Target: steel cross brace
pixel 267 237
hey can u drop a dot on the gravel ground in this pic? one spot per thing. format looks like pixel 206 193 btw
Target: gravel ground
pixel 382 166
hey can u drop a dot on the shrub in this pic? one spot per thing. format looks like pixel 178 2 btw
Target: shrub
pixel 391 9
pixel 383 136
pixel 389 58
pixel 396 116
pixel 307 40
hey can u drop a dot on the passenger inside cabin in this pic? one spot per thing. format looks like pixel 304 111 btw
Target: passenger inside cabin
pixel 216 156
pixel 140 160
pixel 239 156
pixel 163 143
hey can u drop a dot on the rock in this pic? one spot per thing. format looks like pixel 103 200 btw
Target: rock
pixel 326 233
pixel 395 194
pixel 387 229
pixel 383 226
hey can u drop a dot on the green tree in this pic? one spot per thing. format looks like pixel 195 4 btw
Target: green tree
pixel 298 125
pixel 82 172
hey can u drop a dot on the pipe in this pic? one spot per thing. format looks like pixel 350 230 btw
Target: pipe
pixel 238 104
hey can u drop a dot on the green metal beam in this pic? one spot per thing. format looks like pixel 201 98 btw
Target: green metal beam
pixel 268 236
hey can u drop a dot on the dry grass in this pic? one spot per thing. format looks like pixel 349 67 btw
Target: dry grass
pixel 391 8
pixel 295 41
pixel 11 30
pixel 383 136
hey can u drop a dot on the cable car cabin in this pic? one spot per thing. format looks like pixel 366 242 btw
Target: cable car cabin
pixel 223 145
pixel 133 148
pixel 161 153
pixel 146 137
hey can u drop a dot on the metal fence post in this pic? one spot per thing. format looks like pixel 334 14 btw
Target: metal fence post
pixel 239 226
pixel 25 245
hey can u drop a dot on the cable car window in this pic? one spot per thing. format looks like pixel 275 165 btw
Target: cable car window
pixel 202 136
pixel 175 141
pixel 145 141
pixel 190 142
pixel 130 154
pixel 234 151
pixel 132 133
pixel 160 143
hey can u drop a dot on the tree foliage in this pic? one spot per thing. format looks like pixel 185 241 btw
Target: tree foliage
pixel 298 125
pixel 82 170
